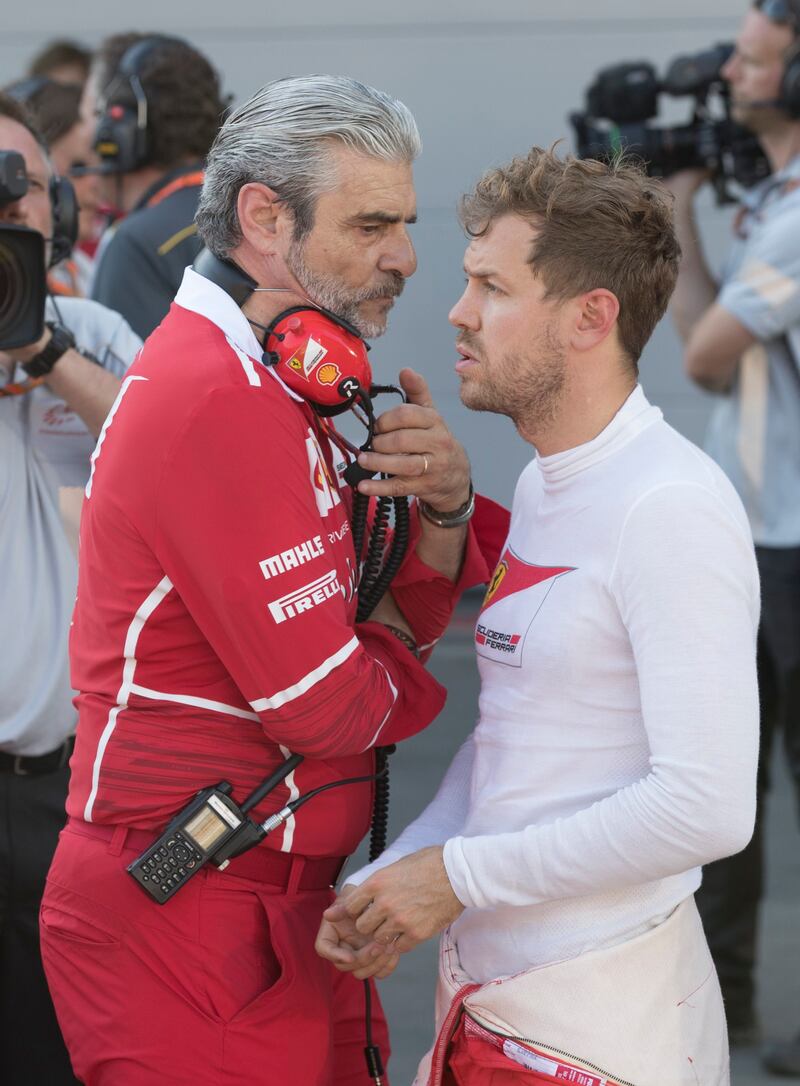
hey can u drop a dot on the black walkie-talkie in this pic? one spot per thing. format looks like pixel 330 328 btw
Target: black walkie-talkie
pixel 188 842
pixel 213 827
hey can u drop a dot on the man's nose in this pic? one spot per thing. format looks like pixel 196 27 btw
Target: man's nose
pixel 464 315
pixel 400 257
pixel 729 69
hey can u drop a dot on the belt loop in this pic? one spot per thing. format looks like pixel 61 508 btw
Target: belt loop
pixel 295 874
pixel 118 840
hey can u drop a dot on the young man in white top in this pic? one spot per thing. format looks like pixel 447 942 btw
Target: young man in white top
pixel 616 747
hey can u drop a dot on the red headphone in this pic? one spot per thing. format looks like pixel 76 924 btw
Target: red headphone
pixel 319 356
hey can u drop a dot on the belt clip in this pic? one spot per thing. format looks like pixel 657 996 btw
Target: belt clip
pixel 17 769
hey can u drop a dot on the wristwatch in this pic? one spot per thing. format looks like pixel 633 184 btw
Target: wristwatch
pixel 42 363
pixel 454 518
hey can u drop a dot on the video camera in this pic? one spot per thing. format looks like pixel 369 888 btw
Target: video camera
pixel 624 98
pixel 23 284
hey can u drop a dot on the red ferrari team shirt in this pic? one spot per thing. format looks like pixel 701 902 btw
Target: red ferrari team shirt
pixel 214 625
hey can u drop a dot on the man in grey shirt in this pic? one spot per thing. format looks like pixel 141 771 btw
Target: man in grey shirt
pixel 54 397
pixel 742 338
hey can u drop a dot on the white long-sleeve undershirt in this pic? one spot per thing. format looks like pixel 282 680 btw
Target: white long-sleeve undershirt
pixel 616 747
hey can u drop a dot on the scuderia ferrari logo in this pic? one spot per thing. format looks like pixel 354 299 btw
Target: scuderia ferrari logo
pixel 516 593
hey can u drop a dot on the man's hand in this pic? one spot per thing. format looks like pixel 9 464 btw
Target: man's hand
pixel 402 905
pixel 414 445
pixel 25 354
pixel 340 942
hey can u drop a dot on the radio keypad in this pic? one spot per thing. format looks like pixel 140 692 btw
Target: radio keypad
pixel 170 863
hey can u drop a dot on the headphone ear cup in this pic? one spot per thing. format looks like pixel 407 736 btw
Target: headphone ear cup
pixel 119 141
pixel 790 83
pixel 64 203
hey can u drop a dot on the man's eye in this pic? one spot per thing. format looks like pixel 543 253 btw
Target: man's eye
pixel 371 230
pixel 489 288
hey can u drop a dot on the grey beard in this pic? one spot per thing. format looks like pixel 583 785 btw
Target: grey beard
pixel 329 293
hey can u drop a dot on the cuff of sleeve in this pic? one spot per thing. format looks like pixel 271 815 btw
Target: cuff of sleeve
pixel 355 878
pixel 414 571
pixel 738 300
pixel 458 872
pixel 420 698
pixel 386 858
pixel 495 869
pixel 427 598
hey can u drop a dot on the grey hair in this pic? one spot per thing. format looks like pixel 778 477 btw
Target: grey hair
pixel 282 137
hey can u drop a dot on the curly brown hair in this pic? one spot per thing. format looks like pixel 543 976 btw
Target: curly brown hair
pixel 596 225
pixel 185 105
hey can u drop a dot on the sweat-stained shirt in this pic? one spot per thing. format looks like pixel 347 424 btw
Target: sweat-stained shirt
pixel 214 626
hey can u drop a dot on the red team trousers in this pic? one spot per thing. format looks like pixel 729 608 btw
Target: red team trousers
pixel 219 985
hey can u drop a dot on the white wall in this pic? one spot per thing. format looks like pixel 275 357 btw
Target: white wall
pixel 484 82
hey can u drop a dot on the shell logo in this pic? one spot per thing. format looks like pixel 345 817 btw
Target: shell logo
pixel 328 374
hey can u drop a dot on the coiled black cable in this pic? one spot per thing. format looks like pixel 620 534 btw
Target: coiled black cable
pixel 372 569
pixel 402 531
pixel 380 807
pixel 358 524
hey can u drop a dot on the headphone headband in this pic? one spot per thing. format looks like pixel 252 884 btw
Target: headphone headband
pixel 130 63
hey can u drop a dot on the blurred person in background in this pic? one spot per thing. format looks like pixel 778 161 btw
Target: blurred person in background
pixel 157 106
pixel 55 108
pixel 742 337
pixel 54 396
pixel 62 60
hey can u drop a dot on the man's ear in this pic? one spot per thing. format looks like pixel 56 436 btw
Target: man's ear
pixel 261 216
pixel 596 317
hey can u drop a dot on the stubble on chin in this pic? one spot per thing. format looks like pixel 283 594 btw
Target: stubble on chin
pixel 528 390
pixel 331 294
pixel 476 396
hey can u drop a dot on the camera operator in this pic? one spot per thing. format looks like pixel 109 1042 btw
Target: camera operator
pixel 742 338
pixel 53 400
pixel 159 107
pixel 55 110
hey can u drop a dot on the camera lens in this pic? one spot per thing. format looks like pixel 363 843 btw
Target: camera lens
pixel 13 292
pixel 22 286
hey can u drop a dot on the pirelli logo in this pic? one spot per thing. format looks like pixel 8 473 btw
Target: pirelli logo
pixel 303 599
